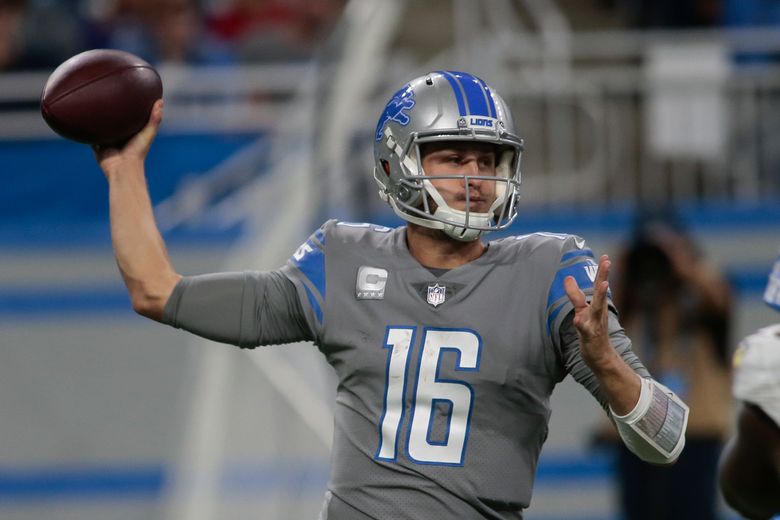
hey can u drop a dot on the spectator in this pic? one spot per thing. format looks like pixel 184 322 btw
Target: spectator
pixel 676 308
pixel 40 38
pixel 673 13
pixel 165 31
pixel 276 30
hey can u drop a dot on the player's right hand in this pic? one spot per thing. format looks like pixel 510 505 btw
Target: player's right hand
pixel 133 153
pixel 591 319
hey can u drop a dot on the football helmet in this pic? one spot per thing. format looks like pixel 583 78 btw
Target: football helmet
pixel 446 106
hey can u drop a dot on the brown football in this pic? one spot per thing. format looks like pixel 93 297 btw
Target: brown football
pixel 101 97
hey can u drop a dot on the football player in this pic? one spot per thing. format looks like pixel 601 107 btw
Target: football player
pixel 446 347
pixel 750 463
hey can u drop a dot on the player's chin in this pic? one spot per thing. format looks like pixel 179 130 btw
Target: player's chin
pixel 457 201
pixel 473 207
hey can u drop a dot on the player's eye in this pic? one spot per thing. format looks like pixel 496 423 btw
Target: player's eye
pixel 455 158
pixel 487 161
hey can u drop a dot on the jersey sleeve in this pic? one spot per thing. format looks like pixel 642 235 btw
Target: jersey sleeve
pixel 579 370
pixel 306 270
pixel 246 309
pixel 575 259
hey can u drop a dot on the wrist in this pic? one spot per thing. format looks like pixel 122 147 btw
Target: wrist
pixel 631 414
pixel 603 361
pixel 124 167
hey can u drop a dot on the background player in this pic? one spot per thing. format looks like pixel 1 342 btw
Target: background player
pixel 446 348
pixel 750 464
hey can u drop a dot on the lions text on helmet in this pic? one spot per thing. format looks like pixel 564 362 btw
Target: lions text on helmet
pixel 458 114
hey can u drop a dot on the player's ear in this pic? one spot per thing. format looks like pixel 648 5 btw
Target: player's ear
pixel 386 167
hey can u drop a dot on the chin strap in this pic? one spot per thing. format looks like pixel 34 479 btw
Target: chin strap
pixel 454 220
pixel 458 219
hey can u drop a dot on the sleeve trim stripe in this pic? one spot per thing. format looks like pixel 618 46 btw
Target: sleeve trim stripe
pixel 552 316
pixel 310 261
pixel 581 271
pixel 318 238
pixel 315 298
pixel 572 254
pixel 315 305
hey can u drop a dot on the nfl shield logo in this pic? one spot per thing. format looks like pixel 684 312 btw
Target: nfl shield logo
pixel 436 294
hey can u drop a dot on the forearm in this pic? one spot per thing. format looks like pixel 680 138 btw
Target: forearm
pixel 651 420
pixel 138 246
pixel 652 423
pixel 618 382
pixel 620 346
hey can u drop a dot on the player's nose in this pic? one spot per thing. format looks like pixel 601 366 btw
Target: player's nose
pixel 471 167
pixel 474 177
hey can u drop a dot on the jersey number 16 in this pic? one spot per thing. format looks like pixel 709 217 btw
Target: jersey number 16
pixel 429 391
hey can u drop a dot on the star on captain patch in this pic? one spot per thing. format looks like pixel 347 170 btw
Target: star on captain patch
pixel 436 294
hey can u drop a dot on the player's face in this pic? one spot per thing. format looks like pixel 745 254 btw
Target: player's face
pixel 462 158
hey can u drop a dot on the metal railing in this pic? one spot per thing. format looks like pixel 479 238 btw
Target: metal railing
pixel 198 99
pixel 651 116
pixel 613 118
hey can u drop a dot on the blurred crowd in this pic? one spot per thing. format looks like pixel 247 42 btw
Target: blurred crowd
pixel 40 34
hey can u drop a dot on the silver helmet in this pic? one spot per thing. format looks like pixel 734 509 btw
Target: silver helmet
pixel 445 106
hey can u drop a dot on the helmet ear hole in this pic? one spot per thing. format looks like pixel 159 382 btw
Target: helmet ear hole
pixel 386 167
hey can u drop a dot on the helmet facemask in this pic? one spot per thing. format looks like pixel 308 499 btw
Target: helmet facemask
pixel 414 197
pixel 442 107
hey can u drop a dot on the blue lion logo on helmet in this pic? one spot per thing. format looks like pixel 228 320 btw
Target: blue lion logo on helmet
pixel 394 111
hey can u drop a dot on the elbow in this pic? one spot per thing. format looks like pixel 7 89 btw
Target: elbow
pixel 148 300
pixel 147 307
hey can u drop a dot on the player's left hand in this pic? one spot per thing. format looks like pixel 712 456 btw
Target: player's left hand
pixel 591 319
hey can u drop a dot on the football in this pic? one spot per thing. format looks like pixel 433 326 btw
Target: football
pixel 100 97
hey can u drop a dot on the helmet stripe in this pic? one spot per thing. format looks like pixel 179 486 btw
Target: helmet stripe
pixel 489 96
pixel 457 89
pixel 476 95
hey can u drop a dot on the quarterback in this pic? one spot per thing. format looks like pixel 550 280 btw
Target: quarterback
pixel 750 463
pixel 446 347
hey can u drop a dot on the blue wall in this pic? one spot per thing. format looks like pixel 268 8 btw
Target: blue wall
pixel 53 187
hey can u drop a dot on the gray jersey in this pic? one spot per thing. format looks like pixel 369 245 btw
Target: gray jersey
pixel 444 378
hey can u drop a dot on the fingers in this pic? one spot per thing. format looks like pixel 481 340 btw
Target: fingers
pixel 601 285
pixel 111 158
pixel 573 291
pixel 155 117
pixel 140 143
